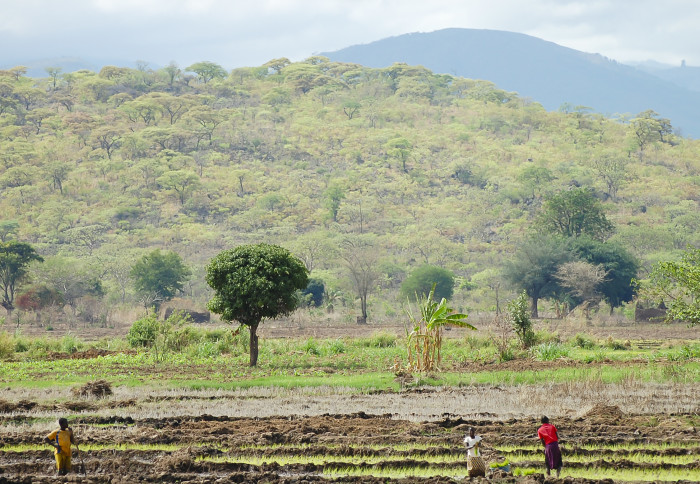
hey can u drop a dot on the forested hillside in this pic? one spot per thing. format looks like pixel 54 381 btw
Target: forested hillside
pixel 353 169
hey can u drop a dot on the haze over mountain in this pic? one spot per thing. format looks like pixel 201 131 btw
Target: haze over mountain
pixel 543 71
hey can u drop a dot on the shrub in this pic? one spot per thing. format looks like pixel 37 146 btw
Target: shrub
pixel 381 339
pixel 584 342
pixel 70 344
pixel 311 347
pixel 549 351
pixel 426 278
pixel 7 345
pixel 143 332
pixel 336 347
pixel 614 344
pixel 519 314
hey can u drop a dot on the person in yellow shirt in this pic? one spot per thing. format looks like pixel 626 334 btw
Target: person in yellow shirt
pixel 61 440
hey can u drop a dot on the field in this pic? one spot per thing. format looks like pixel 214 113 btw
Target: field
pixel 342 409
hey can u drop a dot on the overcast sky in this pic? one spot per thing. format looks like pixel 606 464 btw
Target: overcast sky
pixel 238 33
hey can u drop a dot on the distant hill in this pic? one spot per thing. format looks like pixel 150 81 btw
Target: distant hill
pixel 543 71
pixel 685 76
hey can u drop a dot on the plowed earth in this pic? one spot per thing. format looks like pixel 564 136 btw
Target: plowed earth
pixel 289 449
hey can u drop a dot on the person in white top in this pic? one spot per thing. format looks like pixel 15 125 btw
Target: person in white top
pixel 475 464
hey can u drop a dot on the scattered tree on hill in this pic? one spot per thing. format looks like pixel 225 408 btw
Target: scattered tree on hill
pixel 360 258
pixel 159 277
pixel 425 279
pixel 582 280
pixel 575 212
pixel 533 268
pixel 254 282
pixel 619 265
pixel 15 258
pixel 206 71
pixel 677 283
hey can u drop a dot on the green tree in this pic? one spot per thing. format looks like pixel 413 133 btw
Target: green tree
pixel 575 212
pixel 15 258
pixel 426 278
pixel 619 264
pixel 400 149
pixel 182 182
pixel 534 267
pixel 254 282
pixel 333 196
pixel 520 320
pixel 678 282
pixel 159 276
pixel 206 71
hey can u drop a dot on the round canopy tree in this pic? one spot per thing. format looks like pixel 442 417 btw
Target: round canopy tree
pixel 424 278
pixel 254 282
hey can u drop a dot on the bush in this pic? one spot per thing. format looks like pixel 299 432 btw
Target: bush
pixel 584 342
pixel 311 347
pixel 519 314
pixel 143 332
pixel 336 347
pixel 423 279
pixel 381 339
pixel 70 344
pixel 614 344
pixel 550 351
pixel 7 345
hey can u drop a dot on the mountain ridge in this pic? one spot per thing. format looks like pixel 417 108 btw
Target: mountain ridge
pixel 534 68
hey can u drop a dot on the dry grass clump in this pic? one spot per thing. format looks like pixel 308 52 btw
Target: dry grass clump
pixel 98 388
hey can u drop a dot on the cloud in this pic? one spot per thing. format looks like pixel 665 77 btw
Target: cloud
pixel 242 32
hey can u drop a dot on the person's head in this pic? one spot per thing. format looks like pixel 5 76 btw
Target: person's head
pixel 63 423
pixel 472 432
pixel 545 420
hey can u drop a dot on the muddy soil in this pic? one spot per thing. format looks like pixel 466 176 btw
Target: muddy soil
pixel 209 449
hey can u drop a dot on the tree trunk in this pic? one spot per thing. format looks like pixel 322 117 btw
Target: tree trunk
pixel 254 344
pixel 534 307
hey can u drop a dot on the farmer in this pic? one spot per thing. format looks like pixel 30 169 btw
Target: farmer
pixel 549 437
pixel 475 463
pixel 61 440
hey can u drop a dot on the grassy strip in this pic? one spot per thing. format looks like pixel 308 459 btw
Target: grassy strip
pixel 398 472
pixel 636 458
pixel 394 447
pixel 635 474
pixel 684 444
pixel 85 447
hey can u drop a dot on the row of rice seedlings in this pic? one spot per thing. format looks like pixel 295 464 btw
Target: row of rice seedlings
pixel 86 447
pixel 616 474
pixel 396 472
pixel 635 457
pixel 289 459
pixel 683 444
pixel 395 447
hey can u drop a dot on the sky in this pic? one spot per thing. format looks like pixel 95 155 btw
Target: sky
pixel 236 33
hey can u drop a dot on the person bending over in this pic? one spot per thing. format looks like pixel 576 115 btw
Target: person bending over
pixel 549 437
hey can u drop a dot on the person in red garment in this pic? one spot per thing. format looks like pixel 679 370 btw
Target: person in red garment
pixel 549 437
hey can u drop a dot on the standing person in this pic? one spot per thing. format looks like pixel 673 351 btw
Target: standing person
pixel 549 437
pixel 61 440
pixel 475 463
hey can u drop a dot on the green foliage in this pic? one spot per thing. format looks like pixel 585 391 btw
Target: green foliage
pixel 575 212
pixel 534 267
pixel 549 351
pixel 15 258
pixel 143 332
pixel 253 282
pixel 159 276
pixel 7 345
pixel 583 341
pixel 426 278
pixel 519 316
pixel 424 336
pixel 678 282
pixel 315 290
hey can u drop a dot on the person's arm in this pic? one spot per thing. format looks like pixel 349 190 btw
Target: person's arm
pixel 543 444
pixel 53 444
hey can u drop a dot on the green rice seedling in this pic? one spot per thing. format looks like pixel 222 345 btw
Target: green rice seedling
pixel 90 447
pixel 633 474
pixel 290 459
pixel 638 457
pixel 398 472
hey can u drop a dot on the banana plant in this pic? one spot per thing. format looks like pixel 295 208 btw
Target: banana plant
pixel 424 335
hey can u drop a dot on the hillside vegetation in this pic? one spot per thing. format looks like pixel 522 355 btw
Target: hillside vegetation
pixel 343 165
